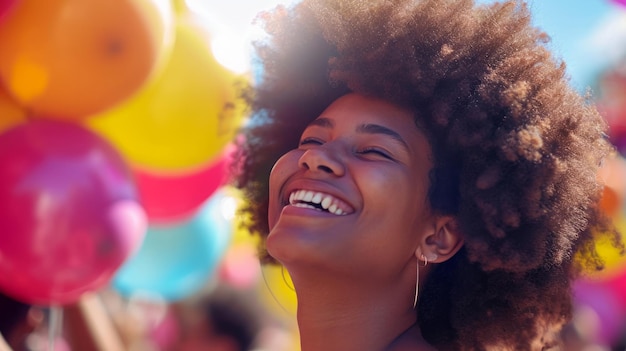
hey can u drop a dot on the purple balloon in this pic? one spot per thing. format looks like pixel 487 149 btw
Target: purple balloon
pixel 607 304
pixel 621 2
pixel 69 212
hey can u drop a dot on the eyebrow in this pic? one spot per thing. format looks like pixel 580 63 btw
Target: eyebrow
pixel 363 128
pixel 323 122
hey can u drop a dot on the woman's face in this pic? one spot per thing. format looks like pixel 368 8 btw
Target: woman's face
pixel 353 195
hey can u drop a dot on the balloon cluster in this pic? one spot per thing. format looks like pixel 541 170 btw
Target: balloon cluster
pixel 114 124
pixel 612 103
pixel 604 292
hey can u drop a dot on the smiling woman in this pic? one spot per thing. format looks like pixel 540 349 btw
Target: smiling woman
pixel 357 160
pixel 424 172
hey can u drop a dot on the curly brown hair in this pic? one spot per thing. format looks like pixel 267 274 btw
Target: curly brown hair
pixel 516 150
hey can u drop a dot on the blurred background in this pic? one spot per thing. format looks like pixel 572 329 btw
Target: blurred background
pixel 118 230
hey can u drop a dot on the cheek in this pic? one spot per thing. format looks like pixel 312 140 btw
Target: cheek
pixel 384 185
pixel 284 168
pixel 398 194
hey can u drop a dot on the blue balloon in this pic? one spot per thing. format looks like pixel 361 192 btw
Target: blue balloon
pixel 176 261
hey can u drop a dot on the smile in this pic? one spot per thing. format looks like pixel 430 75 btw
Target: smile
pixel 319 201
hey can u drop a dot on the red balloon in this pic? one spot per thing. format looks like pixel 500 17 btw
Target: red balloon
pixel 607 297
pixel 617 283
pixel 70 215
pixel 169 198
pixel 5 6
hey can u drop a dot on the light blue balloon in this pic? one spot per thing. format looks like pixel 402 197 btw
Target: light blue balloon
pixel 176 261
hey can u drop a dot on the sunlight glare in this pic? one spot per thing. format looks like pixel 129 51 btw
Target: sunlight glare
pixel 232 28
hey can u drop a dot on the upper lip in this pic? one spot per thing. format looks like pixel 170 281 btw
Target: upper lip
pixel 311 185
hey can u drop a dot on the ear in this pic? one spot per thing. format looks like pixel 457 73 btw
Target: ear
pixel 442 242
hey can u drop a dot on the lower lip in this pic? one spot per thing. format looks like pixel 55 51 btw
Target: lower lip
pixel 290 210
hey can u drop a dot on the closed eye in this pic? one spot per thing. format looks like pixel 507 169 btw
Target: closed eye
pixel 311 141
pixel 375 151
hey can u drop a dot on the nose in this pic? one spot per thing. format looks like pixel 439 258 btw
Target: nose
pixel 322 159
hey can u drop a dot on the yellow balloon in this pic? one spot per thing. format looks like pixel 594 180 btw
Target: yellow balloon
pixel 180 7
pixel 183 118
pixel 241 234
pixel 614 261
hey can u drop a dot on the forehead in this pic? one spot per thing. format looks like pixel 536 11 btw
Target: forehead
pixel 361 109
pixel 365 114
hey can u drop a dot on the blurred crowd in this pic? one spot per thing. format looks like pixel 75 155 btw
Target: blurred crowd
pixel 224 318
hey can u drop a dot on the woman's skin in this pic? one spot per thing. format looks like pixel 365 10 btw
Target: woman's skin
pixel 354 265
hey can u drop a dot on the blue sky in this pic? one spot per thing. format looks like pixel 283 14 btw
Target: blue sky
pixel 588 34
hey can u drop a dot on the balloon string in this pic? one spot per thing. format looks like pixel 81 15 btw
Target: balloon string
pixel 282 272
pixel 272 293
pixel 54 326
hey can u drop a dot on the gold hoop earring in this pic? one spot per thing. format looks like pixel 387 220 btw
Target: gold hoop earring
pixel 417 278
pixel 417 283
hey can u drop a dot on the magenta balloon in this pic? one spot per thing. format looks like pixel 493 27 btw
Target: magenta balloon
pixel 69 215
pixel 5 6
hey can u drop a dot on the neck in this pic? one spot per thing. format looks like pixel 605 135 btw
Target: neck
pixel 345 315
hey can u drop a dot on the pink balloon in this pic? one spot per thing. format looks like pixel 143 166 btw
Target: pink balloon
pixel 621 2
pixel 69 212
pixel 240 266
pixel 5 6
pixel 607 297
pixel 171 198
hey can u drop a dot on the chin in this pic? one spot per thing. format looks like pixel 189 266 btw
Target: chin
pixel 292 246
pixel 280 246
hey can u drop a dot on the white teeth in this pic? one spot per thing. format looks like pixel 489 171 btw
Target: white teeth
pixel 305 199
pixel 308 196
pixel 301 204
pixel 326 202
pixel 317 198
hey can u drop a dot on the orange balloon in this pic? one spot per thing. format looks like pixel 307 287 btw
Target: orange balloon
pixel 610 202
pixel 613 173
pixel 72 58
